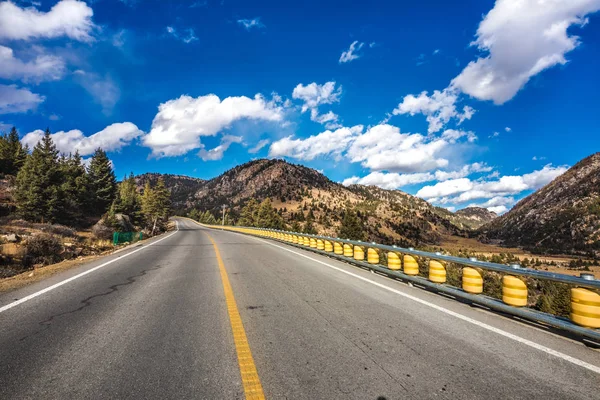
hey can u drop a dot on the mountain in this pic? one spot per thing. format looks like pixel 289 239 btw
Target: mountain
pixel 390 216
pixel 474 217
pixel 562 217
pixel 181 187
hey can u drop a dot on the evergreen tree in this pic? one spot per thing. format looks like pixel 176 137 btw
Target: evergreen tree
pixel 156 205
pixel 296 227
pixel 12 153
pixel 128 200
pixel 74 188
pixel 103 183
pixel 352 227
pixel 38 184
pixel 249 214
pixel 309 226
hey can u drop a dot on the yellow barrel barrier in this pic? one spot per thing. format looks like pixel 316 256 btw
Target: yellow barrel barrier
pixel 328 246
pixel 359 253
pixel 348 252
pixel 295 239
pixel 306 240
pixel 338 248
pixel 514 291
pixel 320 245
pixel 372 256
pixel 313 243
pixel 585 307
pixel 437 272
pixel 472 281
pixel 411 266
pixel 393 261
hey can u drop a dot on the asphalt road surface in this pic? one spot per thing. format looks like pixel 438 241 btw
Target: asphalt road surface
pixel 154 322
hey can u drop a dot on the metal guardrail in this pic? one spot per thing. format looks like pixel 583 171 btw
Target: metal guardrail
pixel 585 299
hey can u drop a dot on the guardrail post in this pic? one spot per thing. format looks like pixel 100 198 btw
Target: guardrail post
pixel 372 256
pixel 359 253
pixel 585 307
pixel 411 266
pixel 472 280
pixel 338 248
pixel 348 251
pixel 514 291
pixel 437 272
pixel 328 246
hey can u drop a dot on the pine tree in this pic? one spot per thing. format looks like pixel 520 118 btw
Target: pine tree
pixel 128 200
pixel 156 205
pixel 352 227
pixel 309 226
pixel 74 189
pixel 103 183
pixel 12 153
pixel 249 214
pixel 38 184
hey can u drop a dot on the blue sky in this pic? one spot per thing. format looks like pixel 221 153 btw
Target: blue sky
pixel 477 103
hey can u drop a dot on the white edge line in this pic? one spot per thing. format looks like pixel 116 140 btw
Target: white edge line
pixel 483 325
pixel 59 284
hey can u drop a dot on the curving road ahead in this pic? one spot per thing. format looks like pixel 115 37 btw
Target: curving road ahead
pixel 155 321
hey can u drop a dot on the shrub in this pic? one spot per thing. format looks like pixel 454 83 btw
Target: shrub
pixel 44 248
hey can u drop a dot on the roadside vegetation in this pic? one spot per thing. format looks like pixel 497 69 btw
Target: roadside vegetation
pixel 56 206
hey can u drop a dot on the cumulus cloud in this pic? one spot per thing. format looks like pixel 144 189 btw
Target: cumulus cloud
pixel 389 180
pixel 351 54
pixel 70 18
pixel 384 147
pixel 250 24
pixel 259 146
pixel 18 100
pixel 328 143
pixel 43 67
pixel 439 108
pixel 521 39
pixel 112 138
pixel 180 123
pixel 313 94
pixel 217 153
pixel 464 189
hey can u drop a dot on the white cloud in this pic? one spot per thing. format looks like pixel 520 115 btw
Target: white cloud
pixel 17 100
pixel 507 129
pixel 462 190
pixel 439 108
pixel 104 89
pixel 383 147
pixel 180 123
pixel 43 67
pixel 328 143
pixel 68 18
pixel 521 38
pixel 389 180
pixel 350 54
pixel 314 94
pixel 498 209
pixel 259 146
pixel 216 153
pixel 189 37
pixel 250 24
pixel 112 138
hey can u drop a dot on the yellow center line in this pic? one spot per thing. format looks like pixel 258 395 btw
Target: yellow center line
pixel 252 387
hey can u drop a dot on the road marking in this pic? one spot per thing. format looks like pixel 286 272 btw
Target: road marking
pixel 483 325
pixel 252 387
pixel 59 284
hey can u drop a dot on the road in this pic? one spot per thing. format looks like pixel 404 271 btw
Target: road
pixel 154 322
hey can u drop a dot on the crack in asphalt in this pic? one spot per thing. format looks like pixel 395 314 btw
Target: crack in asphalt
pixel 87 302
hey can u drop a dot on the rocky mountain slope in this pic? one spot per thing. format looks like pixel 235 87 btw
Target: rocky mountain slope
pixel 562 217
pixel 296 191
pixel 474 217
